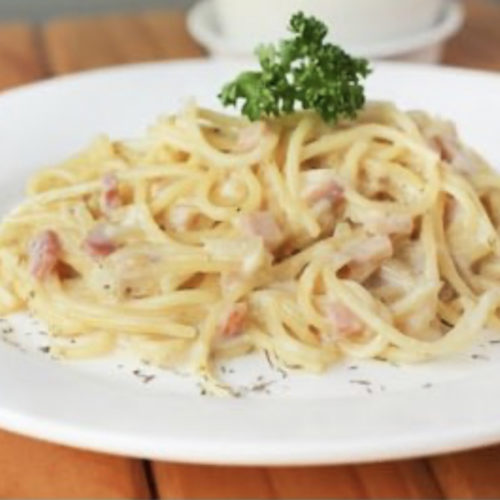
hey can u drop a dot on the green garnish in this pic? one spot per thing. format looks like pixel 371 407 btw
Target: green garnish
pixel 303 72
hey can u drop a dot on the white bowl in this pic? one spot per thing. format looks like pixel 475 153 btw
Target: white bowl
pixel 350 21
pixel 425 46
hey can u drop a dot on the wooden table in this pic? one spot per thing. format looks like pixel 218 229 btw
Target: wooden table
pixel 29 468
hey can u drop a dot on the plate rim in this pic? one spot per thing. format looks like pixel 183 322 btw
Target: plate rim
pixel 314 453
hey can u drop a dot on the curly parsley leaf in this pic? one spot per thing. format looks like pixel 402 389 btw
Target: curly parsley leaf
pixel 303 72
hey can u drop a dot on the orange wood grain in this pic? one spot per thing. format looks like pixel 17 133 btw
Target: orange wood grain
pixel 79 44
pixel 474 474
pixel 478 44
pixel 20 58
pixel 406 479
pixel 168 30
pixel 197 481
pixel 316 482
pixel 75 45
pixel 35 469
pixel 403 479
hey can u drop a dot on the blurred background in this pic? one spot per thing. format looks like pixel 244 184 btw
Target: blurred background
pixel 39 38
pixel 411 30
pixel 43 9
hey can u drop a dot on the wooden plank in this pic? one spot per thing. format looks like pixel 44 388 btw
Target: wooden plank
pixel 168 30
pixel 316 482
pixel 85 43
pixel 19 55
pixel 474 474
pixel 404 479
pixel 35 469
pixel 196 481
pixel 478 44
pixel 30 468
pixel 407 479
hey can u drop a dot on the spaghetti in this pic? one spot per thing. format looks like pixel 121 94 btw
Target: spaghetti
pixel 212 236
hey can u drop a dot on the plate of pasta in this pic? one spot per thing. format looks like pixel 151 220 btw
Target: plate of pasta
pixel 293 286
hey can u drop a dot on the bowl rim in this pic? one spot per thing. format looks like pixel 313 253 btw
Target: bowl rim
pixel 231 17
pixel 202 26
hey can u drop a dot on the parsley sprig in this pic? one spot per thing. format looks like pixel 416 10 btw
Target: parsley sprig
pixel 303 72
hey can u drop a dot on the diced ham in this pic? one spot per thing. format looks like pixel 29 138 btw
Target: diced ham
pixel 110 196
pixel 444 140
pixel 44 254
pixel 250 137
pixel 99 242
pixel 330 191
pixel 249 254
pixel 450 150
pixel 344 321
pixel 182 217
pixel 263 225
pixel 233 320
pixel 391 224
pixel 323 196
pixel 363 258
pixel 442 136
pixel 372 249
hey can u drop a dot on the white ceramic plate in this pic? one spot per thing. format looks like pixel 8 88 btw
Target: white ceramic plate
pixel 358 411
pixel 424 46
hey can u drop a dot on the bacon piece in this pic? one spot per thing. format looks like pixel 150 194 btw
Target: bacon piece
pixel 373 249
pixel 324 198
pixel 330 191
pixel 450 150
pixel 44 254
pixel 263 225
pixel 391 224
pixel 364 258
pixel 442 137
pixel 344 321
pixel 99 242
pixel 234 320
pixel 110 196
pixel 249 137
